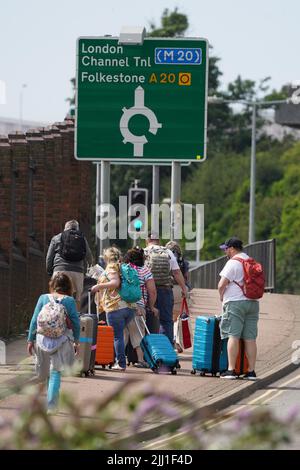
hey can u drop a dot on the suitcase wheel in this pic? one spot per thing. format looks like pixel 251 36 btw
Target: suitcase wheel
pixel 92 372
pixel 155 370
pixel 174 372
pixel 193 371
pixel 103 367
pixel 202 374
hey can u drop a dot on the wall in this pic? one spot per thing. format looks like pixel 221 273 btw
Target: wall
pixel 41 187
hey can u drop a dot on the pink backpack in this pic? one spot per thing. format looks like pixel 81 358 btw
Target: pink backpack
pixel 51 320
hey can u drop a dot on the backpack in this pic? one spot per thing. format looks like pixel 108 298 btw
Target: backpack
pixel 51 320
pixel 254 280
pixel 72 245
pixel 158 261
pixel 130 289
pixel 182 263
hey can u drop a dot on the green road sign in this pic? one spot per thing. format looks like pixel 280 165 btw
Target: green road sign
pixel 141 101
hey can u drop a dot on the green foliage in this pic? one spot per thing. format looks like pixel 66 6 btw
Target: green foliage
pixel 222 185
pixel 173 24
pixel 287 191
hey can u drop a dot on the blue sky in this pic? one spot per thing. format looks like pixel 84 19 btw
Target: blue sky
pixel 38 42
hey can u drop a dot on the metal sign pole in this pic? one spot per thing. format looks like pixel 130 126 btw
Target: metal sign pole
pixel 105 196
pixel 98 202
pixel 175 199
pixel 155 199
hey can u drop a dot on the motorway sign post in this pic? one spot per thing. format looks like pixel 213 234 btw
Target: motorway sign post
pixel 145 101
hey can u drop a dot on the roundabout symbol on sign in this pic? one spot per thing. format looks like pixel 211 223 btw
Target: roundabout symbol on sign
pixel 138 141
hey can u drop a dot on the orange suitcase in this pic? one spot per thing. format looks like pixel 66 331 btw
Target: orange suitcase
pixel 105 355
pixel 241 366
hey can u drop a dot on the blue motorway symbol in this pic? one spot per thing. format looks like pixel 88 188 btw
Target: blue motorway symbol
pixel 178 55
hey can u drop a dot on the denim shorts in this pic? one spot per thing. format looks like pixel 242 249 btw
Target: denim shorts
pixel 239 319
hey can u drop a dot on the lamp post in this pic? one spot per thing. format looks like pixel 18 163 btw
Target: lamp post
pixel 255 105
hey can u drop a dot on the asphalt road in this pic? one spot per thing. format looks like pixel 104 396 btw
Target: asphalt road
pixel 281 398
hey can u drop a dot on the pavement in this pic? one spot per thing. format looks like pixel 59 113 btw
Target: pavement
pixel 279 327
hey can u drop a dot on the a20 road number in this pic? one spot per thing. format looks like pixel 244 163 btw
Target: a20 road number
pixel 181 78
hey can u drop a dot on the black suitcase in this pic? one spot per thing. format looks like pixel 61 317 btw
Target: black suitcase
pixel 131 354
pixel 88 283
pixel 152 322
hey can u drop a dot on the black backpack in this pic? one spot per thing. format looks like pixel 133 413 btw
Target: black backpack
pixel 72 245
pixel 183 265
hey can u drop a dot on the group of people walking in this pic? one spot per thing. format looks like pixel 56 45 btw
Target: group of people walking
pixel 159 269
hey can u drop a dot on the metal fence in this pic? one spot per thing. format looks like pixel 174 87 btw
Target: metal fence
pixel 207 276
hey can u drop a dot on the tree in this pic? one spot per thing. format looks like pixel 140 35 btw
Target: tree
pixel 71 100
pixel 173 24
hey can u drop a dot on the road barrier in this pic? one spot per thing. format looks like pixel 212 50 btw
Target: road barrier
pixel 207 276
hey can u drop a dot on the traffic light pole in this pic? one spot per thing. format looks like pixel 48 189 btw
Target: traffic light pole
pixel 155 184
pixel 105 195
pixel 155 199
pixel 175 199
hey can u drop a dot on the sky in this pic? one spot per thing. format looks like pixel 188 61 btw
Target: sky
pixel 254 39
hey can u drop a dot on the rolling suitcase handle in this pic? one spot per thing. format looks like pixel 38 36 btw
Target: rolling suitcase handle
pixel 139 327
pixel 89 301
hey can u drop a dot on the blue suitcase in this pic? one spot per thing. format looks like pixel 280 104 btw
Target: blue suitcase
pixel 158 352
pixel 209 351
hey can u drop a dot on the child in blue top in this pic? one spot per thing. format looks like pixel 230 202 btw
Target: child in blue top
pixel 53 355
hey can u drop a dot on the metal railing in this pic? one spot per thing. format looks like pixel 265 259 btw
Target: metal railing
pixel 207 276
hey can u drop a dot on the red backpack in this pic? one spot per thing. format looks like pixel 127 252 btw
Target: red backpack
pixel 254 279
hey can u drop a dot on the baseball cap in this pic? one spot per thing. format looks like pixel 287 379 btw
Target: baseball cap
pixel 233 242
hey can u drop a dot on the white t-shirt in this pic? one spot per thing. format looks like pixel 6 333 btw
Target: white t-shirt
pixel 173 261
pixel 233 271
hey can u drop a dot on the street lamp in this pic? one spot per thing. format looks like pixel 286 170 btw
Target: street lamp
pixel 24 85
pixel 255 105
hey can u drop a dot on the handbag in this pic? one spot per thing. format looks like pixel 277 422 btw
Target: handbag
pixel 184 327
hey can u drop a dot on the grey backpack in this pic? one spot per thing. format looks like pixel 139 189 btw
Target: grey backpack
pixel 158 261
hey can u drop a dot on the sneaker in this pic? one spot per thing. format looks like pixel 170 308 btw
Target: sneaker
pixel 229 374
pixel 119 368
pixel 141 365
pixel 251 375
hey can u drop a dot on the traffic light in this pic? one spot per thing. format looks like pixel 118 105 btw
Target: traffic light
pixel 138 212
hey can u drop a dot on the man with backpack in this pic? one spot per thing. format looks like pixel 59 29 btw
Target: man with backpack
pixel 240 287
pixel 163 265
pixel 68 251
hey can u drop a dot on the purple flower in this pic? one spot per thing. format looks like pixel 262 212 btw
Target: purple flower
pixel 151 404
pixel 292 414
pixel 244 415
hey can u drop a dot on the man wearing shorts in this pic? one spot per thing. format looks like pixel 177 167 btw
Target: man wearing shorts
pixel 240 314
